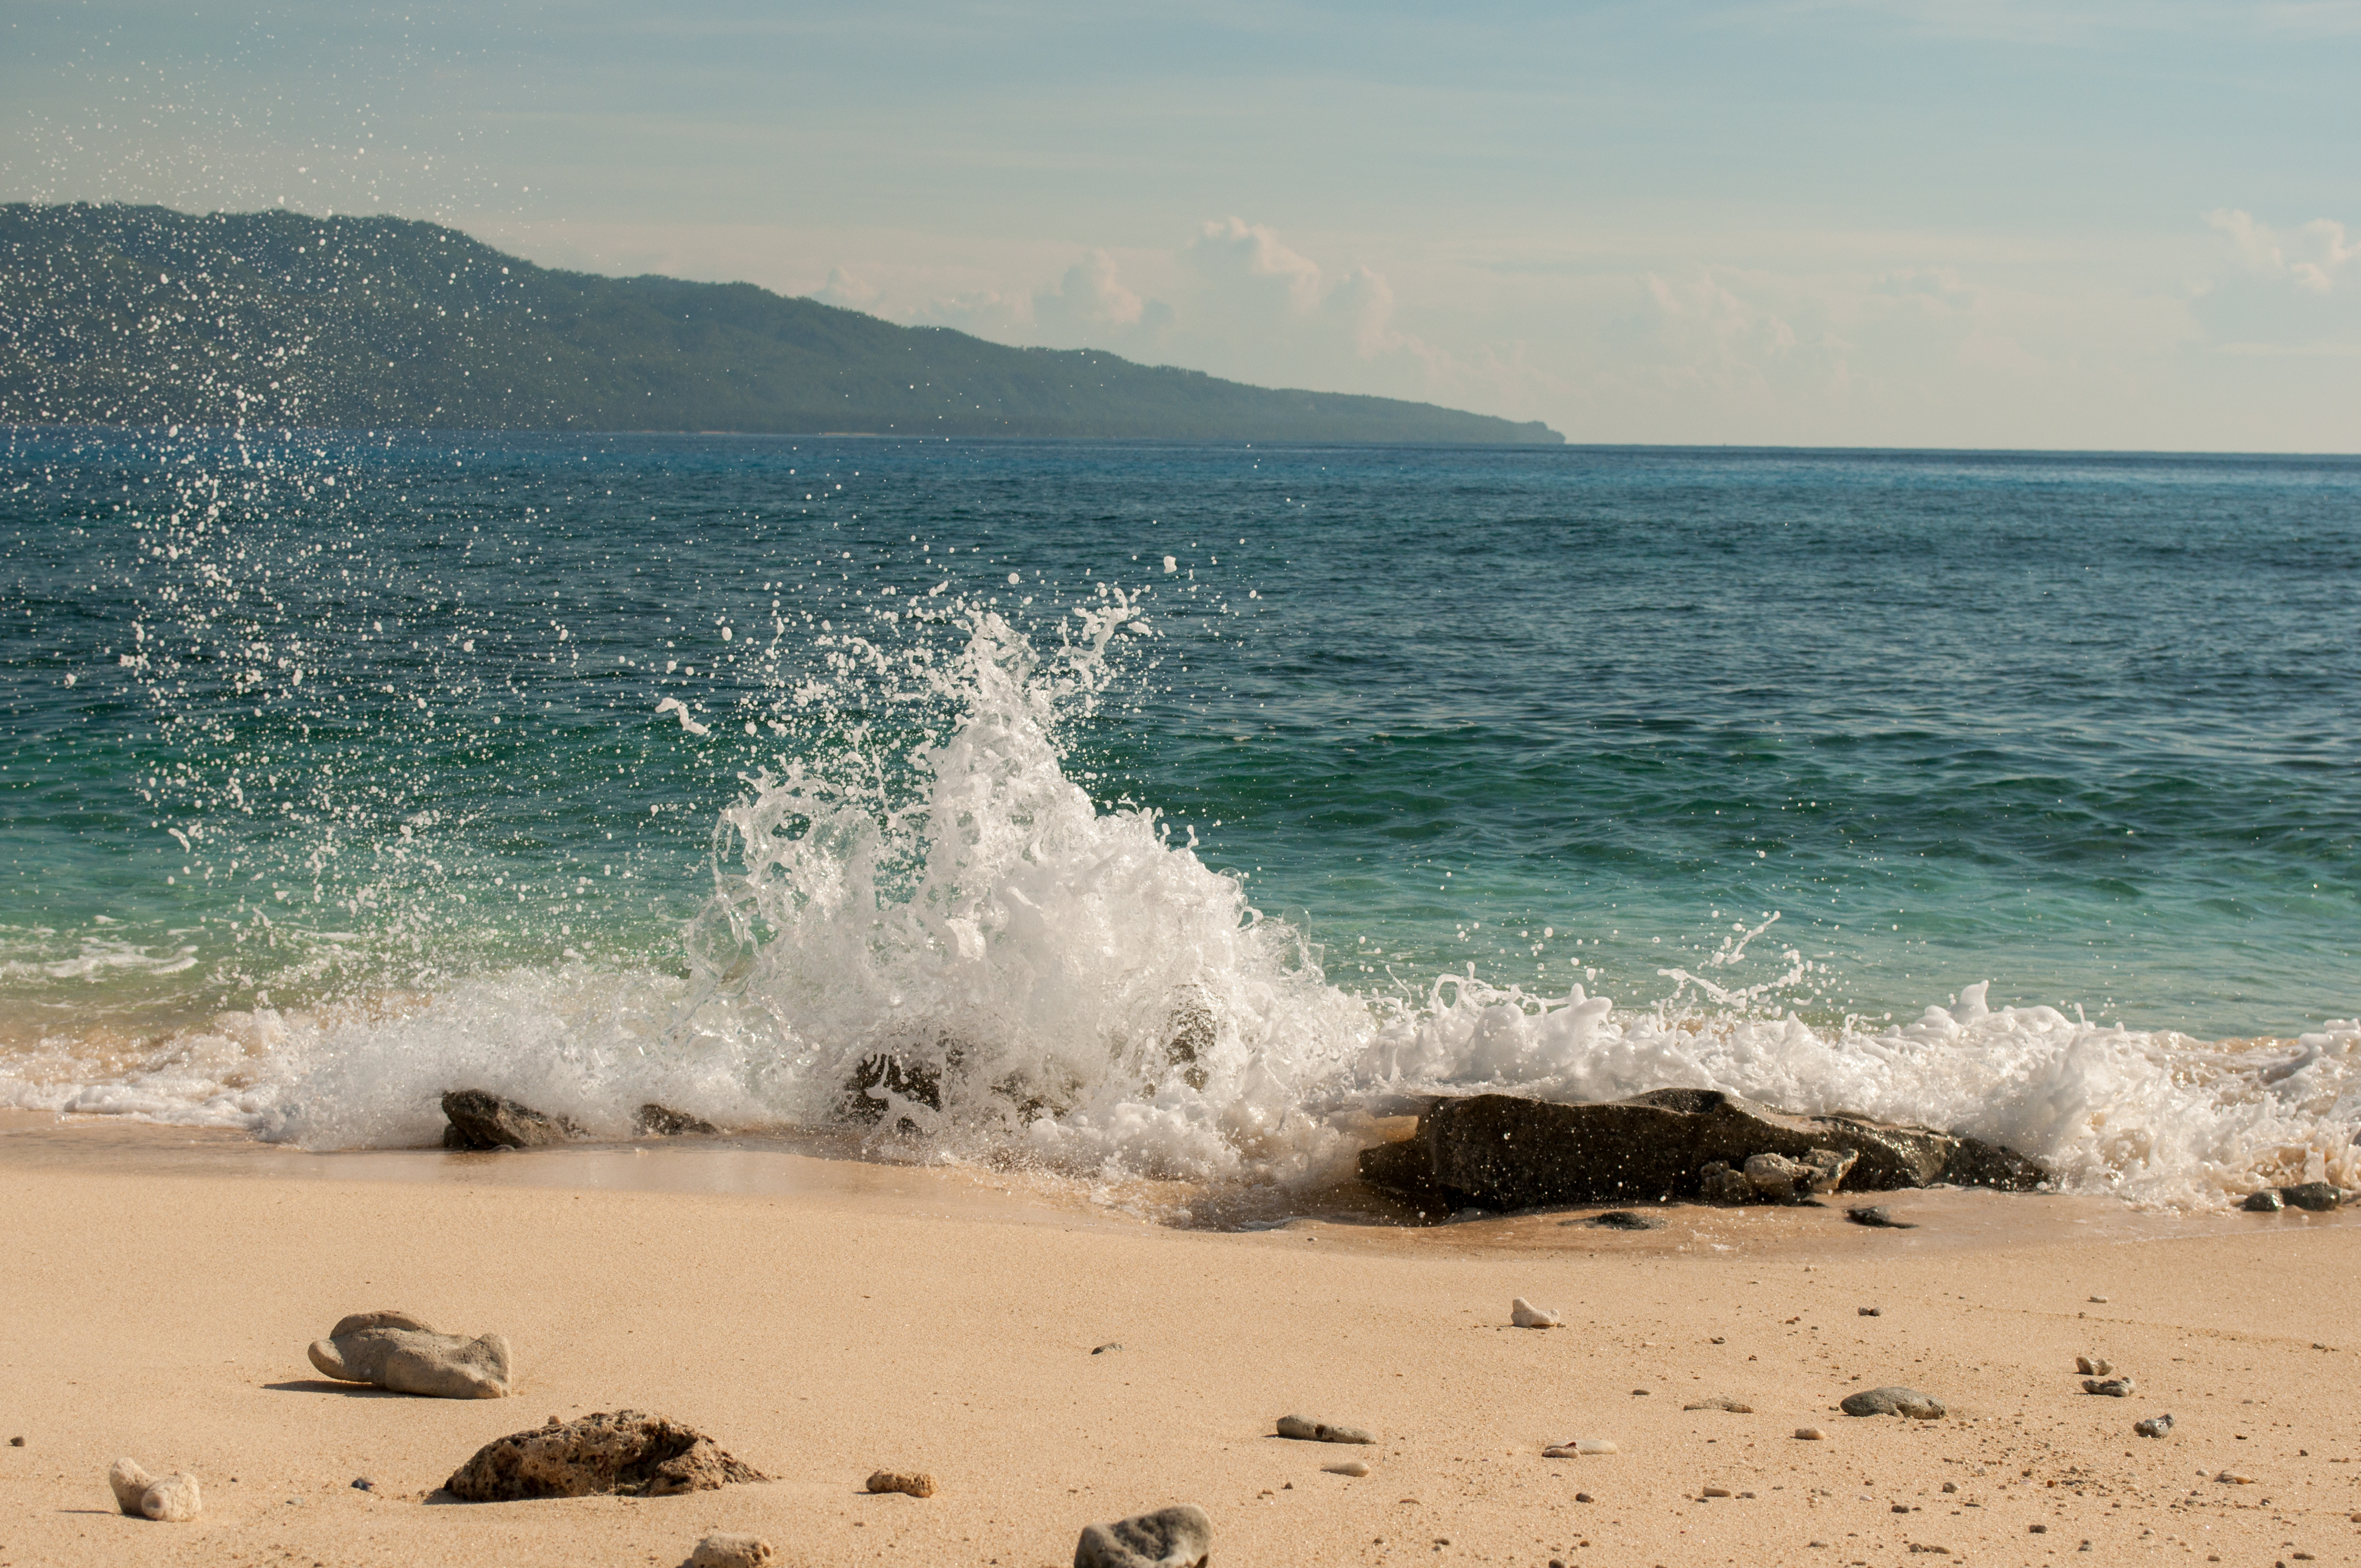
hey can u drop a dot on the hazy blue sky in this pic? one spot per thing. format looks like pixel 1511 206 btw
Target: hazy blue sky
pixel 1819 222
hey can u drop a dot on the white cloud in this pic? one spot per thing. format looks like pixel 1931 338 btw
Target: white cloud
pixel 2311 255
pixel 844 290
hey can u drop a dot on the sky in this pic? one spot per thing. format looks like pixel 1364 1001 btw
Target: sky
pixel 1823 223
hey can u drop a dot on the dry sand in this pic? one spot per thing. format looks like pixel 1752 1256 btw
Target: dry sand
pixel 825 1318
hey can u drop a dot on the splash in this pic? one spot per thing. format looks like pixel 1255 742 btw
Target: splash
pixel 920 926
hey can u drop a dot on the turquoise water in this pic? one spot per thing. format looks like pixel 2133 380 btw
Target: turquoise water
pixel 302 724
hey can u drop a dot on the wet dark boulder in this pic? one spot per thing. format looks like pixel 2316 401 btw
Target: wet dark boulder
pixel 479 1120
pixel 1502 1151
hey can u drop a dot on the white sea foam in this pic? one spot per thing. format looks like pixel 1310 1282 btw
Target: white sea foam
pixel 1050 979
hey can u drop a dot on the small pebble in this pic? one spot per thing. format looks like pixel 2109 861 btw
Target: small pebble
pixel 2100 1299
pixel 2154 1426
pixel 1525 1315
pixel 1350 1467
pixel 1950 1486
pixel 1639 1393
pixel 915 1483
pixel 1810 1435
pixel 2264 1202
pixel 15 1442
pixel 1871 1311
pixel 1621 1219
pixel 363 1484
pixel 720 1551
pixel 1720 1402
pixel 1303 1429
pixel 2036 1530
pixel 2113 1387
pixel 1877 1217
pixel 2235 1478
pixel 1582 1496
pixel 1102 1349
pixel 2092 1365
pixel 1714 1491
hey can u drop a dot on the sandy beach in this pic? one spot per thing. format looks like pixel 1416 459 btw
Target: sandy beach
pixel 823 1319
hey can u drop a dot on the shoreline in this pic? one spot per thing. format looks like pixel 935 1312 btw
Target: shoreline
pixel 828 1317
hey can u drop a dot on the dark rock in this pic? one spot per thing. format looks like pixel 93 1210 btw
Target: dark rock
pixel 1102 1349
pixel 919 1081
pixel 482 1121
pixel 2319 1196
pixel 662 1121
pixel 1189 1034
pixel 625 1452
pixel 1179 1537
pixel 2154 1426
pixel 2264 1202
pixel 1877 1217
pixel 1892 1401
pixel 1622 1219
pixel 1716 1183
pixel 1502 1151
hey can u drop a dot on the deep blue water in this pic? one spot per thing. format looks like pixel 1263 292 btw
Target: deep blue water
pixel 2087 727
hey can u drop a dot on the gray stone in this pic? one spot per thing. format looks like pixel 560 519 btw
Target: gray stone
pixel 130 1483
pixel 1303 1429
pixel 1892 1401
pixel 2094 1366
pixel 1505 1152
pixel 2317 1196
pixel 653 1121
pixel 724 1551
pixel 623 1453
pixel 394 1350
pixel 1877 1217
pixel 2264 1202
pixel 483 1121
pixel 172 1499
pixel 1525 1315
pixel 2113 1387
pixel 1179 1537
pixel 2154 1426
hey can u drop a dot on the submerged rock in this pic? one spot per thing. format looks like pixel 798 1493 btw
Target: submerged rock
pixel 480 1120
pixel 653 1121
pixel 1178 1536
pixel 625 1452
pixel 1503 1151
pixel 2264 1202
pixel 1303 1429
pixel 1622 1219
pixel 1892 1401
pixel 394 1350
pixel 2320 1196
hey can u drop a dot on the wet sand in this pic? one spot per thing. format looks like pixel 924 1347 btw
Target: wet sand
pixel 824 1317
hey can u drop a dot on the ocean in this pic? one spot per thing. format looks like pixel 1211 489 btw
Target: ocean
pixel 1172 809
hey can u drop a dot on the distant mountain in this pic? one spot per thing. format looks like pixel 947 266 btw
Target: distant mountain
pixel 143 315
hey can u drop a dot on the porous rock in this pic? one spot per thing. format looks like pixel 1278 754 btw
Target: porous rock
pixel 130 1483
pixel 625 1452
pixel 397 1351
pixel 1784 1181
pixel 1177 1537
pixel 1892 1401
pixel 730 1551
pixel 1303 1429
pixel 2154 1426
pixel 1716 1183
pixel 2114 1388
pixel 172 1499
pixel 1525 1315
pixel 2265 1201
pixel 2320 1196
pixel 1505 1151
pixel 480 1120
pixel 910 1483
